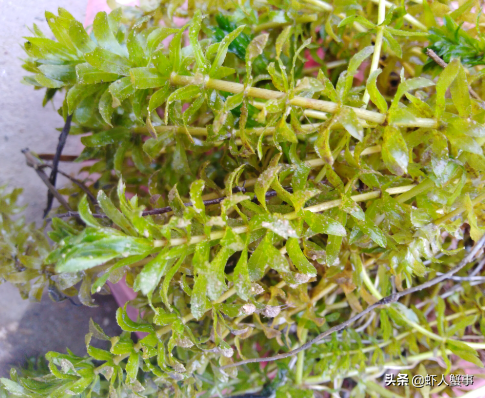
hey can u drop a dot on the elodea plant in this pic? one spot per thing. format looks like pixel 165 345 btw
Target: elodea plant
pixel 294 190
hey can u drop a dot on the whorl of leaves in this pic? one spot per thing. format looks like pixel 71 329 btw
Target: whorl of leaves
pixel 327 202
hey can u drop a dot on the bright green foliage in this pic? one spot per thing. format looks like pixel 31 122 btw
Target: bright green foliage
pixel 320 214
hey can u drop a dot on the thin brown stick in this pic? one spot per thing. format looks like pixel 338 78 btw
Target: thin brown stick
pixel 55 162
pixel 34 163
pixel 384 301
pixel 79 183
pixel 167 209
pixel 62 158
pixel 436 58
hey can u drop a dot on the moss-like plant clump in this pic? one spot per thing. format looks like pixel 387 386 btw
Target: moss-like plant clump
pixel 295 183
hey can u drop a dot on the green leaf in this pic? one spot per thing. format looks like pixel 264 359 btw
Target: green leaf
pixel 80 38
pixel 376 97
pixel 100 248
pixel 60 29
pixel 166 282
pixel 393 43
pixel 125 262
pixel 241 279
pixel 12 387
pixel 323 224
pixel 322 143
pixel 79 92
pixel 121 89
pixel 408 85
pixel 175 51
pixel 105 37
pixel 460 93
pixel 255 49
pixel 335 241
pixel 132 365
pixel 281 40
pixel 266 255
pixel 85 213
pixel 395 151
pixel 349 120
pixel 194 30
pixel 216 283
pixel 350 20
pixel 48 82
pixel 159 97
pixel 107 137
pixel 163 64
pixel 264 183
pixel 106 106
pixel 352 69
pixel 129 325
pixel 222 50
pixel 298 258
pixel 464 351
pixel 446 78
pixel 146 78
pixel 149 277
pixel 185 93
pixel 329 89
pixel 136 49
pixel 108 62
pixel 114 214
pixel 274 222
pixel 200 263
pixel 284 133
pixel 157 35
pixel 373 232
pixel 63 73
pixel 88 74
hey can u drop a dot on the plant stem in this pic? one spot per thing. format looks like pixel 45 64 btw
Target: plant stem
pixel 371 369
pixel 313 163
pixel 393 298
pixel 271 25
pixel 378 45
pixel 319 105
pixel 423 186
pixel 383 392
pixel 459 210
pixel 370 286
pixel 301 360
pixel 407 17
pixel 290 216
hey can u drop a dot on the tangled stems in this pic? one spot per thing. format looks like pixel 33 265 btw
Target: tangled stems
pixel 393 298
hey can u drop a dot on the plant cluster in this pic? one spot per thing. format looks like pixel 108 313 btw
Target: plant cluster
pixel 257 192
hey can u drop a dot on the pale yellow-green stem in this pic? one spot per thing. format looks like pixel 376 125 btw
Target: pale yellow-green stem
pixel 423 186
pixel 377 46
pixel 313 163
pixel 300 361
pixel 318 105
pixel 429 123
pixel 407 17
pixel 407 333
pixel 372 289
pixel 372 369
pixel 459 210
pixel 290 216
pixel 271 25
pixel 382 391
